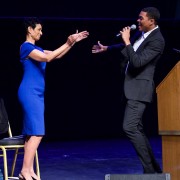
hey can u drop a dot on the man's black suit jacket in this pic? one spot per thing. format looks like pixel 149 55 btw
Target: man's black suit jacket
pixel 138 83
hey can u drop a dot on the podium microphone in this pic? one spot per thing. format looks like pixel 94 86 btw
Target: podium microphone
pixel 133 27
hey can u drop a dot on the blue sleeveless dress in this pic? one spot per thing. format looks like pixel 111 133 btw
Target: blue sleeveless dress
pixel 31 91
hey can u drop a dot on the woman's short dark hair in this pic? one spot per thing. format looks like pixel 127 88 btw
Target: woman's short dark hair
pixel 31 22
pixel 152 13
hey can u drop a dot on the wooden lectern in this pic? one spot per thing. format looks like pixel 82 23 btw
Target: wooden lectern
pixel 168 100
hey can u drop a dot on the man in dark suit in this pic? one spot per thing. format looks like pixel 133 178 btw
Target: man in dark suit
pixel 141 55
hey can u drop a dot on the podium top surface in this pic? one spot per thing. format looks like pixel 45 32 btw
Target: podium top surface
pixel 167 76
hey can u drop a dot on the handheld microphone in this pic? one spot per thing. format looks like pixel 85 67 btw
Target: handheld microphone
pixel 133 27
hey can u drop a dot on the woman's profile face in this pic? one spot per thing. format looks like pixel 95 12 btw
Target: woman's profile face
pixel 36 33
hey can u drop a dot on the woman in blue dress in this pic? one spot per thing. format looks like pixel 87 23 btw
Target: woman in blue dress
pixel 32 86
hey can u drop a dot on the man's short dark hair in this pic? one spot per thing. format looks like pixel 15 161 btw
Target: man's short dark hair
pixel 152 13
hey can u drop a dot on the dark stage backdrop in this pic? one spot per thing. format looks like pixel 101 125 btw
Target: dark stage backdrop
pixel 83 91
pixel 86 9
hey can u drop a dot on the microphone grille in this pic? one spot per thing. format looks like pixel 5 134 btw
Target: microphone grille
pixel 133 27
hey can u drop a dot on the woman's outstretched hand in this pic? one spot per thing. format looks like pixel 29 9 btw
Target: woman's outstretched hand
pixel 78 36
